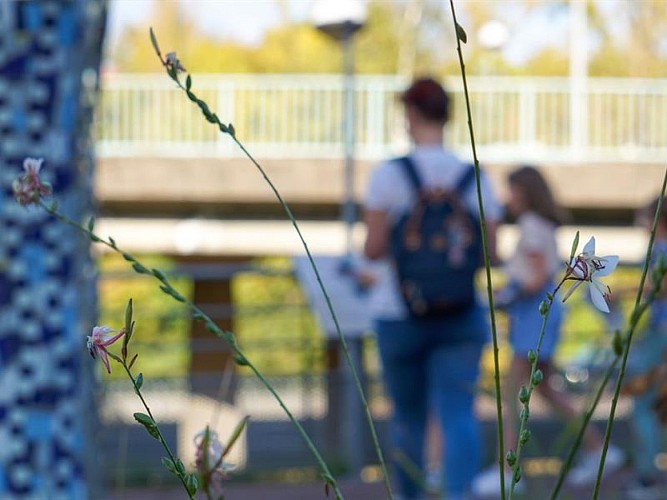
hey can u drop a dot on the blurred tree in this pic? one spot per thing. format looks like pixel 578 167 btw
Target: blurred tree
pixel 633 42
pixel 296 48
pixel 411 36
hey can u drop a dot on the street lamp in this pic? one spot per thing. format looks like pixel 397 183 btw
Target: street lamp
pixel 341 19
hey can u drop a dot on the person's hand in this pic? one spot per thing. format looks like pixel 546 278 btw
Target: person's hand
pixel 504 297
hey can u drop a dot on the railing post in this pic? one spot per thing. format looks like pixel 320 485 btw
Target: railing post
pixel 527 116
pixel 226 90
pixel 578 77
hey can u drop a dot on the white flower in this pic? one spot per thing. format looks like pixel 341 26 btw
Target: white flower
pixel 209 461
pixel 588 267
pixel 101 338
pixel 32 166
pixel 172 62
pixel 29 188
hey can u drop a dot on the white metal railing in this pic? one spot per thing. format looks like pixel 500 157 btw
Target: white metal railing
pixel 300 116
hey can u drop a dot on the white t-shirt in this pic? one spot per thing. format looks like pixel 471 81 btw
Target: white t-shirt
pixel 536 235
pixel 390 191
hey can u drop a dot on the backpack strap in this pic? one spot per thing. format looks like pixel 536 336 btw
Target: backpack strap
pixel 411 171
pixel 467 177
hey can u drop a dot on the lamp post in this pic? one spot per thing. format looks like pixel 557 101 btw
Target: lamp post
pixel 341 19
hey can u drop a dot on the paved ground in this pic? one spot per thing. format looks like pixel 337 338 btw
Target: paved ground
pixel 538 488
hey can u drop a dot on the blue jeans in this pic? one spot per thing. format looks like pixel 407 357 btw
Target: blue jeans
pixel 433 365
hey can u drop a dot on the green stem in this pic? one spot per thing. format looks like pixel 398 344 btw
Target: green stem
pixel 228 129
pixel 487 264
pixel 213 328
pixel 163 442
pixel 565 468
pixel 634 319
pixel 525 414
pixel 341 337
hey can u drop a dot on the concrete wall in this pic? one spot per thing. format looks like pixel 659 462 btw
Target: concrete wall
pixel 168 181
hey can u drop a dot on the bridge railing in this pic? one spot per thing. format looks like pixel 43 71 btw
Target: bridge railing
pixel 300 116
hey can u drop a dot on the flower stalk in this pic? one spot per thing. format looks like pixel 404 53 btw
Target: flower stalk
pixel 172 65
pixel 98 341
pixel 638 311
pixel 167 288
pixel 461 36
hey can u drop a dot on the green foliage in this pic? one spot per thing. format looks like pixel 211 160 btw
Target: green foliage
pixel 274 326
pixel 273 323
pixel 391 43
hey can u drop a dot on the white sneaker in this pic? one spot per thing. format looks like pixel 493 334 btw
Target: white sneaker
pixel 586 471
pixel 487 483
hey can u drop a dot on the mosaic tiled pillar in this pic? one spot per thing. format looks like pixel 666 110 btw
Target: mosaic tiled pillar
pixel 49 58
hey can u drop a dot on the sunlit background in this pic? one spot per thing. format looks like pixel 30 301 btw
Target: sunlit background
pixel 577 88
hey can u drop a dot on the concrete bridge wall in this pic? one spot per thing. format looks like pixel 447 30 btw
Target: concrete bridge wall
pixel 205 185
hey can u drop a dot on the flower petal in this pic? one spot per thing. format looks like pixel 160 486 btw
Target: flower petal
pixel 597 296
pixel 571 289
pixel 589 248
pixel 100 332
pixel 107 340
pixel 610 262
pixel 102 353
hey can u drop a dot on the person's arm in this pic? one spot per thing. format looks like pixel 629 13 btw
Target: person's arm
pixel 538 273
pixel 377 234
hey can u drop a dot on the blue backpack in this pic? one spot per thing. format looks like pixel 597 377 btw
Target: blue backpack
pixel 437 248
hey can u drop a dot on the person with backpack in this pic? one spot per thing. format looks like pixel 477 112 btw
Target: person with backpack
pixel 423 231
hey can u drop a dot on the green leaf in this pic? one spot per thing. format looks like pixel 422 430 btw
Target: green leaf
pixel 191 483
pixel 173 293
pixel 461 33
pixel 241 360
pixel 524 438
pixel 544 307
pixel 231 130
pixel 617 343
pixel 128 317
pixel 538 376
pixel 188 82
pixel 148 423
pixel 91 224
pixel 138 382
pixel 575 245
pixel 204 108
pixel 94 238
pixel 139 268
pixel 159 274
pixel 511 458
pixel 236 434
pixel 169 465
pixel 128 257
pixel 154 42
pixel 53 206
pixel 112 241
